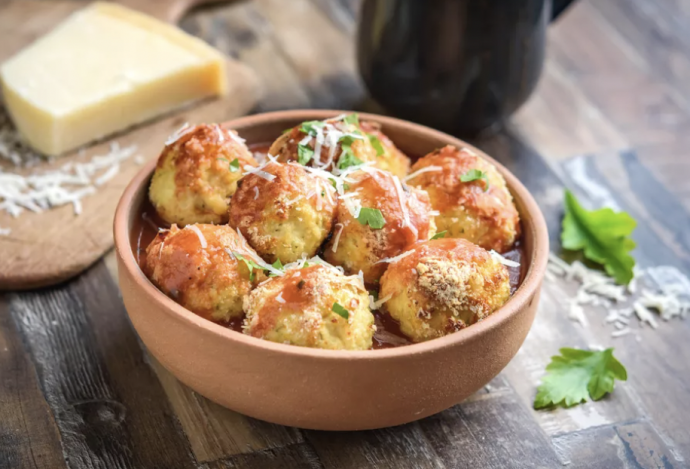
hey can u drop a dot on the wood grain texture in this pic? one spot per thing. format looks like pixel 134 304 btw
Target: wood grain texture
pixel 107 402
pixel 29 437
pixel 49 247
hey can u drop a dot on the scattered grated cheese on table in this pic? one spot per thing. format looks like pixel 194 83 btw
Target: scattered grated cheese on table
pixel 666 290
pixel 68 184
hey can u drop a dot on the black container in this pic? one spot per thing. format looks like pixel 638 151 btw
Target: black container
pixel 457 65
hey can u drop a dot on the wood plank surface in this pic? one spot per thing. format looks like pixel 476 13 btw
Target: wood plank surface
pixel 608 120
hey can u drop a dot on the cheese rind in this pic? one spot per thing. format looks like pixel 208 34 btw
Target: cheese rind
pixel 102 70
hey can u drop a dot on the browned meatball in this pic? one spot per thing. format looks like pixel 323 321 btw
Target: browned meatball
pixel 325 141
pixel 388 157
pixel 286 217
pixel 197 174
pixel 356 244
pixel 442 286
pixel 481 210
pixel 199 268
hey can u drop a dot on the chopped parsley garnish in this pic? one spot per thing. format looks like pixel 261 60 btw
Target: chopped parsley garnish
pixel 603 235
pixel 235 165
pixel 347 157
pixel 276 265
pixel 340 311
pixel 251 265
pixel 287 130
pixel 352 119
pixel 439 235
pixel 575 375
pixel 374 294
pixel 304 154
pixel 310 127
pixel 475 175
pixel 376 143
pixel 372 217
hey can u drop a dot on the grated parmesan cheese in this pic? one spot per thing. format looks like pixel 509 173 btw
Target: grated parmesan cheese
pixel 426 169
pixel 280 299
pixel 671 298
pixel 256 192
pixel 68 184
pixel 336 240
pixel 499 258
pixel 179 133
pixel 391 260
pixel 199 234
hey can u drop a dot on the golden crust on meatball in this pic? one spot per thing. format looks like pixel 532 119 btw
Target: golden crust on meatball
pixel 390 158
pixel 287 217
pixel 197 174
pixel 358 246
pixel 470 210
pixel 298 309
pixel 193 267
pixel 443 286
pixel 334 135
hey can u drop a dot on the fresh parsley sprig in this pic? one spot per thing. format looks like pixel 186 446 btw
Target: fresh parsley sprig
pixel 603 235
pixel 576 374
pixel 251 265
pixel 340 310
pixel 439 235
pixel 372 217
pixel 475 175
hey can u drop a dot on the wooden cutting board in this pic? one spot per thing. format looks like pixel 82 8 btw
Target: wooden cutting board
pixel 52 246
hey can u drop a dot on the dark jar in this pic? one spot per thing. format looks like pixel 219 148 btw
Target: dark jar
pixel 461 66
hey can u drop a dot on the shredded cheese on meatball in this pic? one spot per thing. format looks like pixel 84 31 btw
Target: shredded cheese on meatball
pixel 391 260
pixel 336 240
pixel 179 133
pixel 403 206
pixel 199 234
pixel 503 260
pixel 259 172
pixel 426 169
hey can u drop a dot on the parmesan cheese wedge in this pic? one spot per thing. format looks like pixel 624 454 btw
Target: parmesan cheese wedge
pixel 103 69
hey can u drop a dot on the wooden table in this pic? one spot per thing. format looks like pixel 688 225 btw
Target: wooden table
pixel 611 120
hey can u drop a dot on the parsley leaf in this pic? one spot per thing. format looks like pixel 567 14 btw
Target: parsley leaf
pixel 251 265
pixel 376 143
pixel 603 235
pixel 371 216
pixel 577 374
pixel 340 310
pixel 374 294
pixel 235 165
pixel 474 175
pixel 352 119
pixel 276 265
pixel 439 235
pixel 310 127
pixel 286 131
pixel 304 154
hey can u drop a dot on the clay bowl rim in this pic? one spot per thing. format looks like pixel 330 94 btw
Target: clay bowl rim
pixel 518 302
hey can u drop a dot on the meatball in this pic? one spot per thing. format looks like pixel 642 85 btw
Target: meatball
pixel 388 157
pixel 480 211
pixel 199 268
pixel 286 217
pixel 314 306
pixel 197 173
pixel 390 218
pixel 442 286
pixel 333 143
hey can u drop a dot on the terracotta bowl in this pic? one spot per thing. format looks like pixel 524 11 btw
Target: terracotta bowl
pixel 324 389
